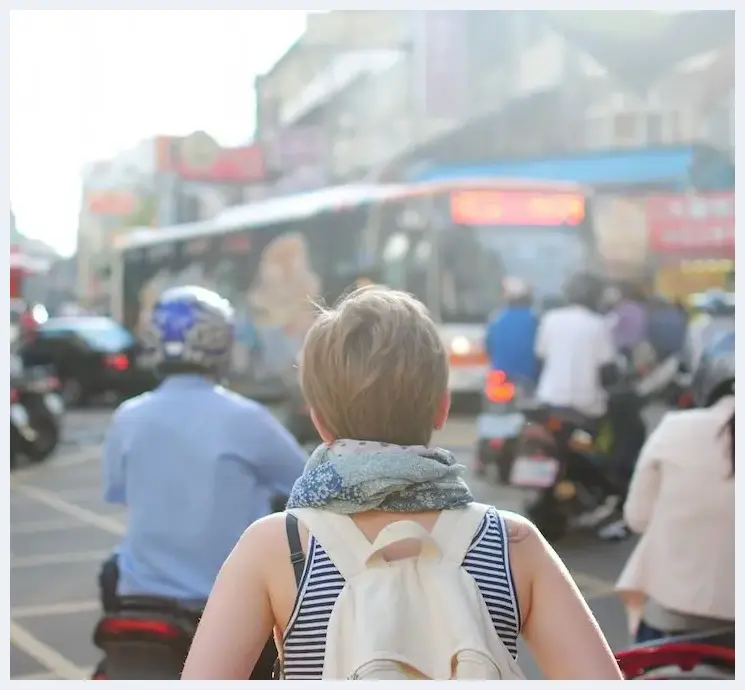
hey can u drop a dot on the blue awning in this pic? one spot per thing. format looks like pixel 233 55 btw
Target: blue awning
pixel 670 165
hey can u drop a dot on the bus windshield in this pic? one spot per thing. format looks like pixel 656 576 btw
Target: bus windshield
pixel 475 259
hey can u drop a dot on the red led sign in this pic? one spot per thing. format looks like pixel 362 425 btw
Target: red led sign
pixel 491 207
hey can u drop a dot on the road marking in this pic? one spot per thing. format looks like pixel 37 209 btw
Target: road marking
pixel 57 559
pixel 47 656
pixel 35 526
pixel 61 609
pixel 595 587
pixel 52 500
pixel 44 675
pixel 81 493
pixel 76 457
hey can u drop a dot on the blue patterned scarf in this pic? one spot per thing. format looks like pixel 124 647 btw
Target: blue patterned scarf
pixel 354 476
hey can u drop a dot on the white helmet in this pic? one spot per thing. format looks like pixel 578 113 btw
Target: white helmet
pixel 515 288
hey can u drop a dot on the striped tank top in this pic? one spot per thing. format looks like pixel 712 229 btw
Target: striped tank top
pixel 487 561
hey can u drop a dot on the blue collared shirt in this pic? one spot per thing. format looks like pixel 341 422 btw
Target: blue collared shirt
pixel 510 343
pixel 195 465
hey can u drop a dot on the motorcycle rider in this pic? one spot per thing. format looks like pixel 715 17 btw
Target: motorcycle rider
pixel 578 361
pixel 668 325
pixel 576 355
pixel 194 463
pixel 681 576
pixel 511 334
pixel 717 316
pixel 630 318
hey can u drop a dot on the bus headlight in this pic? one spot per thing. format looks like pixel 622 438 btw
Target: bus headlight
pixel 460 345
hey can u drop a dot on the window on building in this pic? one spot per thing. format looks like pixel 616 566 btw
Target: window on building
pixel 655 128
pixel 628 129
pixel 678 127
pixel 719 125
pixel 596 133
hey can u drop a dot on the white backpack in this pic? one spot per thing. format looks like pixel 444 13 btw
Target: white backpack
pixel 419 618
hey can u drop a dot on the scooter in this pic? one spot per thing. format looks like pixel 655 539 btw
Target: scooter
pixel 668 382
pixel 148 638
pixel 36 413
pixel 499 424
pixel 700 656
pixel 562 473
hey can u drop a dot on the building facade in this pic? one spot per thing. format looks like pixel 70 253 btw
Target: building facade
pixel 163 181
pixel 367 86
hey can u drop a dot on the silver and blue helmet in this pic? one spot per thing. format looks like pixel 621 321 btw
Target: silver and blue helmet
pixel 191 326
pixel 714 377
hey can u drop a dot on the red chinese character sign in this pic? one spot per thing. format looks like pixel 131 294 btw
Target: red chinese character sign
pixel 694 224
pixel 199 158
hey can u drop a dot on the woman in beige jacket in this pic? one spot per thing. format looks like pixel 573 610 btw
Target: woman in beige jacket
pixel 680 578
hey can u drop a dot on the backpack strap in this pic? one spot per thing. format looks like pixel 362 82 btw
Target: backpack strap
pixel 402 530
pixel 297 557
pixel 455 529
pixel 341 539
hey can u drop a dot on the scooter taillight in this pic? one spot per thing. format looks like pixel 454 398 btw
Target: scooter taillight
pixel 686 656
pixel 117 362
pixel 129 626
pixel 498 389
pixel 685 401
pixel 14 395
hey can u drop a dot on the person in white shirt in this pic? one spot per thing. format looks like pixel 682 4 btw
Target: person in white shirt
pixel 576 351
pixel 680 578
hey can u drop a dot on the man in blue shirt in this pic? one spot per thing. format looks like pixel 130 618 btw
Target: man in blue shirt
pixel 511 334
pixel 667 327
pixel 194 463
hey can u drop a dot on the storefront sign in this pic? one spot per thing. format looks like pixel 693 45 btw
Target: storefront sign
pixel 692 223
pixel 199 158
pixel 119 203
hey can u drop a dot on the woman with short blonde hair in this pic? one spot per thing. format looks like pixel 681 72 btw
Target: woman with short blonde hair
pixel 374 372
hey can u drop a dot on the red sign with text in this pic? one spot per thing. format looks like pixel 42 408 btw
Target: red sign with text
pixel 241 165
pixel 692 223
pixel 496 207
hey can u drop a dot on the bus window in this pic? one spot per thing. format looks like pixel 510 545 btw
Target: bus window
pixel 471 272
pixel 406 259
pixel 479 245
pixel 395 253
pixel 338 236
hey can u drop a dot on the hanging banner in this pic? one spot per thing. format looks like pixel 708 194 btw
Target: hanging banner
pixel 691 223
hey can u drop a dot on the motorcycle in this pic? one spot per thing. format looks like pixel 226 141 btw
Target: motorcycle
pixel 36 412
pixel 700 656
pixel 669 382
pixel 148 638
pixel 499 424
pixel 563 473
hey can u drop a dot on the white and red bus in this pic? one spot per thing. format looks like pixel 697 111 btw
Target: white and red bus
pixel 449 243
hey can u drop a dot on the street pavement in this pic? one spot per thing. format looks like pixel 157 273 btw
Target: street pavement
pixel 61 531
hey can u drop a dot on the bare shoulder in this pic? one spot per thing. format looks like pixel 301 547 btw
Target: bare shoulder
pixel 268 528
pixel 519 528
pixel 266 536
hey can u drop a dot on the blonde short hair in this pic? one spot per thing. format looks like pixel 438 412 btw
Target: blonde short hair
pixel 374 368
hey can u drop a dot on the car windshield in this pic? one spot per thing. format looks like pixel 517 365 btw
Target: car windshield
pixel 475 259
pixel 104 335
